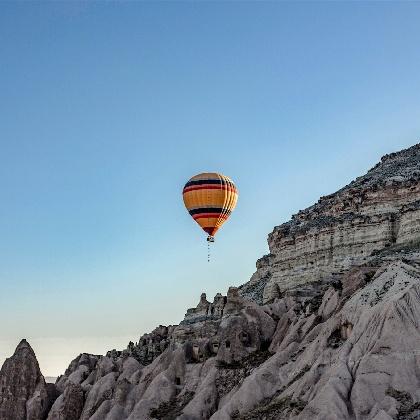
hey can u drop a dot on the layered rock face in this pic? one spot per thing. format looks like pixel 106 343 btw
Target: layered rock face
pixel 378 210
pixel 338 339
pixel 23 391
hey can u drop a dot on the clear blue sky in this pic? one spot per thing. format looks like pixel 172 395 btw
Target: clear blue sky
pixel 106 110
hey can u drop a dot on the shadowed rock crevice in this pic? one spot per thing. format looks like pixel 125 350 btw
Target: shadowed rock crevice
pixel 172 409
pixel 407 408
pixel 273 409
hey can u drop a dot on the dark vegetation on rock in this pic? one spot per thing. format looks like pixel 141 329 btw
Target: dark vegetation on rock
pixel 170 410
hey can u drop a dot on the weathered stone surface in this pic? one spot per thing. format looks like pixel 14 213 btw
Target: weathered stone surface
pixel 350 377
pixel 69 405
pixel 254 289
pixel 378 210
pixel 81 371
pixel 23 391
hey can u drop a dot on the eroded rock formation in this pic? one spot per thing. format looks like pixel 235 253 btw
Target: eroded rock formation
pixel 327 328
pixel 23 391
pixel 378 210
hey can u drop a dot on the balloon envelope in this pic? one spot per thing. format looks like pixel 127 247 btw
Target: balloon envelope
pixel 210 199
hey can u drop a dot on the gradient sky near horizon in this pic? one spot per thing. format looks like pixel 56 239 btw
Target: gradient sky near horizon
pixel 108 108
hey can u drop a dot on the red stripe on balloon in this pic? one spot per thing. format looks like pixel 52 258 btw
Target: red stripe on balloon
pixel 209 215
pixel 209 187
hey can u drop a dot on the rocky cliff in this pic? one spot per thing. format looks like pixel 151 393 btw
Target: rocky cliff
pixel 327 327
pixel 378 210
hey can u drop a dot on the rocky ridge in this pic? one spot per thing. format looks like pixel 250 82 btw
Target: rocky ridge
pixel 378 210
pixel 327 327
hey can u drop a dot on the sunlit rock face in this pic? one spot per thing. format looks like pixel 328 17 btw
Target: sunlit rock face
pixel 376 211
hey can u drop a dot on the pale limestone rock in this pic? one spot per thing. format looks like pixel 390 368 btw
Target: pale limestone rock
pixel 385 315
pixel 378 210
pixel 101 392
pixel 329 303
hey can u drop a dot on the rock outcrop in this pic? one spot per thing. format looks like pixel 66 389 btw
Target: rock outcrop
pixel 327 328
pixel 378 210
pixel 23 391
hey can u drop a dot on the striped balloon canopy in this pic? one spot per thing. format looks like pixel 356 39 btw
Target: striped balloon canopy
pixel 210 199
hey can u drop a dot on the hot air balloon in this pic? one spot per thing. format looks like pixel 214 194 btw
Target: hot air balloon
pixel 210 199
